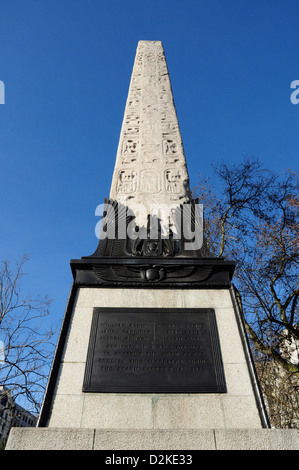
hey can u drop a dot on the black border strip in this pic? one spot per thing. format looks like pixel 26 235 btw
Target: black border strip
pixel 49 394
pixel 90 351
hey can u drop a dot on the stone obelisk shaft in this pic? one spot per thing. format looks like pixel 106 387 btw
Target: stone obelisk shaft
pixel 150 165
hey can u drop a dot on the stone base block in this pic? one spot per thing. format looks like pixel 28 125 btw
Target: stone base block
pixel 192 439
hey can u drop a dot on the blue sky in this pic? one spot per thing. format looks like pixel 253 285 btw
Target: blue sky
pixel 66 66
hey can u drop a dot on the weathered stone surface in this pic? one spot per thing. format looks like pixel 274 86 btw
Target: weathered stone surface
pixel 50 439
pixel 167 439
pixel 255 439
pixel 155 440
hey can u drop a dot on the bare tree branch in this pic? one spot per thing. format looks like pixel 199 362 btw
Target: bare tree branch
pixel 251 216
pixel 27 342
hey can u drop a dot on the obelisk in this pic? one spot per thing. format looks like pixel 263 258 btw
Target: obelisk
pixel 152 352
pixel 150 168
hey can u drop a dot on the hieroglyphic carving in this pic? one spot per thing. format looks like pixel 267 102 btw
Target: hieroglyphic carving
pixel 173 179
pixel 133 101
pixel 133 119
pixel 131 129
pixel 149 63
pixel 162 66
pixel 138 64
pixel 150 181
pixel 130 150
pixel 171 149
pixel 127 181
pixel 169 127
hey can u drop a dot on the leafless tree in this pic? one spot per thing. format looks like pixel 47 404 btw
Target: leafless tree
pixel 26 336
pixel 251 216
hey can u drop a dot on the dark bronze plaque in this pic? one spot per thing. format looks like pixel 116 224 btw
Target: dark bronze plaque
pixel 154 350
